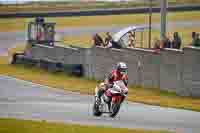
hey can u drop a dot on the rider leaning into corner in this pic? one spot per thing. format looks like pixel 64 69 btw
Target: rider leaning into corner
pixel 119 73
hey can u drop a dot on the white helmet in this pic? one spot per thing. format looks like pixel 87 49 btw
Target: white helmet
pixel 122 67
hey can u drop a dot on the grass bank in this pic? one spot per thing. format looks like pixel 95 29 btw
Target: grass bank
pixel 28 126
pixel 20 24
pixel 85 86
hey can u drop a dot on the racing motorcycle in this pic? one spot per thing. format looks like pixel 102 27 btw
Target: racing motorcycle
pixel 111 100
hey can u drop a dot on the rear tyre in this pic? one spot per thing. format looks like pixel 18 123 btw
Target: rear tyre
pixel 114 109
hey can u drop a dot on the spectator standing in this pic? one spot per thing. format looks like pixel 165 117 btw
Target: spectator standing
pixel 157 45
pixel 50 36
pixel 166 42
pixel 98 41
pixel 108 40
pixel 193 35
pixel 40 32
pixel 132 40
pixel 196 41
pixel 176 43
pixel 193 38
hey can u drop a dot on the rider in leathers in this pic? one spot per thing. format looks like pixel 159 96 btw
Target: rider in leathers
pixel 119 73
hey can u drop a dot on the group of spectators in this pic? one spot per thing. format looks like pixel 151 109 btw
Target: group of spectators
pixel 109 43
pixel 176 42
pixel 167 43
pixel 98 40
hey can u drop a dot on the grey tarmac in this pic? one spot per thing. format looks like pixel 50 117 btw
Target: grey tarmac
pixel 25 100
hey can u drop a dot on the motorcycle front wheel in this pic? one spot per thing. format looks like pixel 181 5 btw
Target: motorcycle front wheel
pixel 96 111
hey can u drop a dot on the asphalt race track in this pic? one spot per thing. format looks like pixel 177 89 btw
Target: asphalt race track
pixel 25 100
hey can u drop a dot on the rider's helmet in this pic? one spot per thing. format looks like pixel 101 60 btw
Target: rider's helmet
pixel 122 68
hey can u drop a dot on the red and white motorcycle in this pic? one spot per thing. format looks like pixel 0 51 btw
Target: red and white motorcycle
pixel 111 100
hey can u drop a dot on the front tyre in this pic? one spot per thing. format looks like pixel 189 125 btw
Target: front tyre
pixel 96 111
pixel 115 107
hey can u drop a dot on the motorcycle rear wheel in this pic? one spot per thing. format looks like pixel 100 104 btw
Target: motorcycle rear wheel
pixel 115 107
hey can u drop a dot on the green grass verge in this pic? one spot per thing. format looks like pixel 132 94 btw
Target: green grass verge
pixel 20 24
pixel 28 126
pixel 85 86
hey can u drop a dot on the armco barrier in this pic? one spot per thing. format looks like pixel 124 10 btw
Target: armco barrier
pixel 95 12
pixel 171 70
pixel 66 56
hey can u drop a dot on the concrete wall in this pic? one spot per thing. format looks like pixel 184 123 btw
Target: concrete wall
pixel 65 56
pixel 148 68
pixel 106 59
pixel 171 70
pixel 191 72
pixel 57 54
pixel 143 65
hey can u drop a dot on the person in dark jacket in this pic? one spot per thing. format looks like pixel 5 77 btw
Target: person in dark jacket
pixel 196 41
pixel 176 43
pixel 166 42
pixel 193 35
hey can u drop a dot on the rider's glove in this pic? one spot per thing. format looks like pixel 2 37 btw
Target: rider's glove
pixel 108 85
